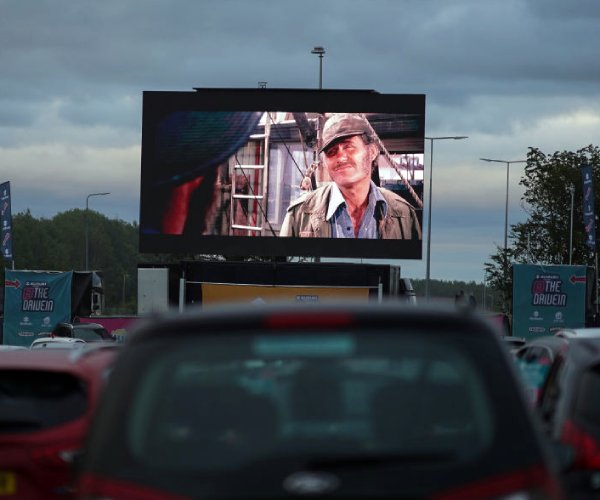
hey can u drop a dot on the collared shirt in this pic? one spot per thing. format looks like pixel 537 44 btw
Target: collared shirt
pixel 341 222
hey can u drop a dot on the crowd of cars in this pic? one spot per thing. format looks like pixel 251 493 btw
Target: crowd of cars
pixel 348 400
pixel 318 401
pixel 561 375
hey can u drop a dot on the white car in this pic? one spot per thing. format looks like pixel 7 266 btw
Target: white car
pixel 578 332
pixel 12 347
pixel 57 343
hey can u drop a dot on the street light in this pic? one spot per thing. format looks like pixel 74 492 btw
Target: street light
pixel 572 191
pixel 428 268
pixel 319 51
pixel 506 208
pixel 87 200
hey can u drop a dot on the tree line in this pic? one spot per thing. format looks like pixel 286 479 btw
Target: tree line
pixel 59 244
pixel 487 298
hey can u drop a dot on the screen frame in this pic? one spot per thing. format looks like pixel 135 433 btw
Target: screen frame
pixel 159 103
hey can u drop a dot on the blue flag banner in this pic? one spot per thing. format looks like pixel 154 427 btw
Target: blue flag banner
pixel 589 215
pixel 34 301
pixel 6 220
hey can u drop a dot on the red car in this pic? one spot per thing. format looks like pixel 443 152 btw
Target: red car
pixel 47 398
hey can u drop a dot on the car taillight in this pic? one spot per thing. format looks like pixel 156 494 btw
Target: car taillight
pixel 587 451
pixel 56 455
pixel 531 483
pixel 92 487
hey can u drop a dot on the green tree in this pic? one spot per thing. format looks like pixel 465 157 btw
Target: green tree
pixel 58 244
pixel 498 276
pixel 544 238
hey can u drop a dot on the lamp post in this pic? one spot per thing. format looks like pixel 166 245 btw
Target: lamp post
pixel 428 265
pixel 125 276
pixel 319 51
pixel 87 200
pixel 485 272
pixel 506 208
pixel 572 191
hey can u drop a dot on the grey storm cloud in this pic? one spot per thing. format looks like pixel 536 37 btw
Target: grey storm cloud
pixel 510 74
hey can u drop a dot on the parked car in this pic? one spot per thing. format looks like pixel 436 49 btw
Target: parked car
pixel 90 332
pixel 323 400
pixel 570 408
pixel 5 347
pixel 578 332
pixel 47 398
pixel 534 360
pixel 513 343
pixel 57 343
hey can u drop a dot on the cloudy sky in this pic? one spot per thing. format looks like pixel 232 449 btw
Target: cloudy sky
pixel 509 74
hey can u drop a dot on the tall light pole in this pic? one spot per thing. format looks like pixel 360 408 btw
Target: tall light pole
pixel 572 191
pixel 87 204
pixel 319 51
pixel 428 265
pixel 506 207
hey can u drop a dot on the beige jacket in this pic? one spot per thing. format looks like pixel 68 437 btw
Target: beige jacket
pixel 305 217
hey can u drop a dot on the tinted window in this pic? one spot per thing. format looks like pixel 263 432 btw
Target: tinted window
pixel 90 334
pixel 35 400
pixel 228 402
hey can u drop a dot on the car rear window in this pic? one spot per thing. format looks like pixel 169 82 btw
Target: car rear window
pixel 218 403
pixel 32 400
pixel 90 334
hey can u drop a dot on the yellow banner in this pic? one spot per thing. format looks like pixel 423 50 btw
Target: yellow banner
pixel 219 293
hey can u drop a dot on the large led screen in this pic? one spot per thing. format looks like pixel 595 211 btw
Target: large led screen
pixel 282 172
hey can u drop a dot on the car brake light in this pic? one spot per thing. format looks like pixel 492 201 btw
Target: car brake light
pixel 532 482
pixel 587 451
pixel 307 320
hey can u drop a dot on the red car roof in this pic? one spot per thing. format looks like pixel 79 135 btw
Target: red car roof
pixel 81 361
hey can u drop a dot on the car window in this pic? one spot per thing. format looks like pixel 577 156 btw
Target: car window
pixel 36 400
pixel 219 404
pixel 534 365
pixel 90 334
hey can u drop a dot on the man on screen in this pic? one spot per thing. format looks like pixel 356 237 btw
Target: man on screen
pixel 351 206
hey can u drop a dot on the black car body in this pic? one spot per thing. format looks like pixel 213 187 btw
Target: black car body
pixel 335 401
pixel 90 332
pixel 570 408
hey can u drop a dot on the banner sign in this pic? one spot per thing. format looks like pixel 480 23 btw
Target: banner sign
pixel 34 301
pixel 548 298
pixel 213 293
pixel 589 216
pixel 6 220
